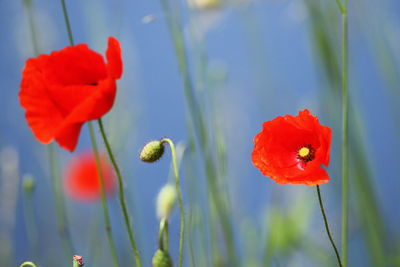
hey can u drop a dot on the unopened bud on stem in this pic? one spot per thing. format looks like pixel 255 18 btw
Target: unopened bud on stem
pixel 152 151
pixel 166 201
pixel 161 259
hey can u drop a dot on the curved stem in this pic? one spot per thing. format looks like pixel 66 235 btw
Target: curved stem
pixel 121 194
pixel 103 196
pixel 327 226
pixel 178 190
pixel 28 263
pixel 163 235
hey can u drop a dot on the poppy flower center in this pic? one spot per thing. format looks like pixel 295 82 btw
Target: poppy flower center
pixel 306 153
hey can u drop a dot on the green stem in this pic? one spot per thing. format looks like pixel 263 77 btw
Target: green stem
pixel 61 216
pixel 342 6
pixel 121 194
pixel 163 235
pixel 67 23
pixel 30 222
pixel 327 226
pixel 32 28
pixel 28 263
pixel 103 196
pixel 97 158
pixel 175 28
pixel 345 134
pixel 180 201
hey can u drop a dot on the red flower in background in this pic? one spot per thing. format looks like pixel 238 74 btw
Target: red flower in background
pixel 63 90
pixel 81 179
pixel 290 150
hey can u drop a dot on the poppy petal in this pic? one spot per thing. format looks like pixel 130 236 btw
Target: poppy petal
pixel 67 136
pixel 75 65
pixel 42 114
pixel 114 60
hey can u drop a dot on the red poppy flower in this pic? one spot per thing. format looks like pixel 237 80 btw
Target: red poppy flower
pixel 81 179
pixel 290 150
pixel 63 90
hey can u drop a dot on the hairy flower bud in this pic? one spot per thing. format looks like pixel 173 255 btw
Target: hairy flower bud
pixel 152 151
pixel 161 259
pixel 77 261
pixel 166 201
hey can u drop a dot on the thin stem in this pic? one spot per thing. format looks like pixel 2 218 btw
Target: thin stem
pixel 175 28
pixel 67 23
pixel 345 135
pixel 121 194
pixel 180 201
pixel 163 235
pixel 113 250
pixel 327 226
pixel 61 216
pixel 30 222
pixel 342 6
pixel 28 263
pixel 32 28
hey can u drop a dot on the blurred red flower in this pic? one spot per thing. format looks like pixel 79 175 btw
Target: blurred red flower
pixel 81 179
pixel 63 90
pixel 290 150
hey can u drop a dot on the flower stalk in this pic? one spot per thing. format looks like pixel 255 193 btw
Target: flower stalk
pixel 342 5
pixel 120 194
pixel 107 223
pixel 327 226
pixel 180 201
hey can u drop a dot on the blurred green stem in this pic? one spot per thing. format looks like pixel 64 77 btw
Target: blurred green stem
pixel 61 216
pixel 180 201
pixel 32 28
pixel 345 133
pixel 121 193
pixel 113 249
pixel 30 222
pixel 327 226
pixel 199 126
pixel 67 23
pixel 62 220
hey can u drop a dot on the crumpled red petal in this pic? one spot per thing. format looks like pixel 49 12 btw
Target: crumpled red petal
pixel 63 90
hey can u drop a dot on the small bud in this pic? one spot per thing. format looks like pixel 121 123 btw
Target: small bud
pixel 205 4
pixel 152 151
pixel 166 200
pixel 77 261
pixel 28 183
pixel 162 259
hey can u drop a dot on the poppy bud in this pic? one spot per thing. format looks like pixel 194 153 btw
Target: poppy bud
pixel 205 4
pixel 166 200
pixel 77 261
pixel 28 183
pixel 152 151
pixel 161 259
